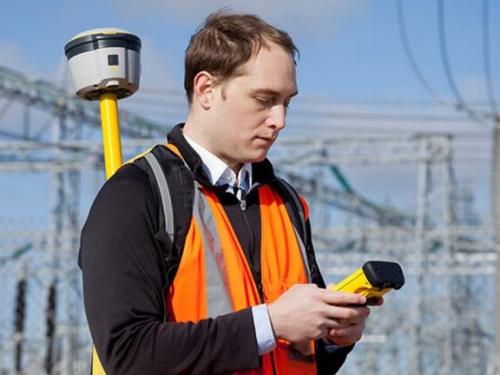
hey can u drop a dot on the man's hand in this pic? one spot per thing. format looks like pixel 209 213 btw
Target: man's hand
pixel 352 330
pixel 306 312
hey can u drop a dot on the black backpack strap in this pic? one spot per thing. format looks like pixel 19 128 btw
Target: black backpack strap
pixel 164 191
pixel 295 207
pixel 174 189
pixel 297 214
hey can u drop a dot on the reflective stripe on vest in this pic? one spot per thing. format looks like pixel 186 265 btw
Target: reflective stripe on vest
pixel 217 285
pixel 214 276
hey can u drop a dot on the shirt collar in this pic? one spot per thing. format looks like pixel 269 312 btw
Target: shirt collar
pixel 218 171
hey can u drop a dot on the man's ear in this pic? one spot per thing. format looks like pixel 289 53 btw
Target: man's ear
pixel 203 89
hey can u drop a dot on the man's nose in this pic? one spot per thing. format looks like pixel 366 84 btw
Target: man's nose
pixel 277 118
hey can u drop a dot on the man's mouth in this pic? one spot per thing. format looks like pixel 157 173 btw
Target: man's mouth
pixel 268 139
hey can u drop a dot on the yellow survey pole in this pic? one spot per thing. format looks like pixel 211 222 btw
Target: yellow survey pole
pixel 110 124
pixel 111 144
pixel 105 65
pixel 97 368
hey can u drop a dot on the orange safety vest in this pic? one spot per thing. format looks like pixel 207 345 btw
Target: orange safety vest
pixel 214 277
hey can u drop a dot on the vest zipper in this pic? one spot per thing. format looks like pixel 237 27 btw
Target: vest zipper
pixel 260 289
pixel 243 200
pixel 243 206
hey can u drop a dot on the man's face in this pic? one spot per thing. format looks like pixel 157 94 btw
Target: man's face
pixel 250 109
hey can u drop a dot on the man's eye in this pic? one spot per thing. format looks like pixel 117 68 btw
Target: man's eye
pixel 265 101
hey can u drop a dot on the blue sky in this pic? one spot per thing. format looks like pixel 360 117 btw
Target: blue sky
pixel 350 49
pixel 351 53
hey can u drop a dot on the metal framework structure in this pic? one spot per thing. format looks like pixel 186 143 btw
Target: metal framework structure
pixel 438 323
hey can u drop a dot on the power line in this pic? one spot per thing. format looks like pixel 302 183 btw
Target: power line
pixel 487 58
pixel 175 97
pixel 462 105
pixel 411 58
pixel 375 116
pixel 444 55
pixel 312 114
pixel 163 106
pixel 319 101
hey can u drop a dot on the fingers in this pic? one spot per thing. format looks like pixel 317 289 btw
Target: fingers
pixel 376 301
pixel 338 324
pixel 342 298
pixel 343 309
pixel 347 315
pixel 346 336
pixel 306 312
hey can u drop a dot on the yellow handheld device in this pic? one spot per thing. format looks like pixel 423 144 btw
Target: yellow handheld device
pixel 373 280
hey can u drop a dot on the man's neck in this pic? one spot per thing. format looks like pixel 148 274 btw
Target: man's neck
pixel 217 169
pixel 194 131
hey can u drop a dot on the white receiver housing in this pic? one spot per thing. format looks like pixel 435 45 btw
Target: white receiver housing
pixel 104 61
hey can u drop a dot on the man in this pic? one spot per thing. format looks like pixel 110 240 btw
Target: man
pixel 235 289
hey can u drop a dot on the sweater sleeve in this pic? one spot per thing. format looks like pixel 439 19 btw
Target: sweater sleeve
pixel 124 286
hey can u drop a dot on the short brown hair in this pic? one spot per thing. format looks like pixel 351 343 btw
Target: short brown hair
pixel 225 42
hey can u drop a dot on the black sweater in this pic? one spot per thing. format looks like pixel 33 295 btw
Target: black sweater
pixel 124 282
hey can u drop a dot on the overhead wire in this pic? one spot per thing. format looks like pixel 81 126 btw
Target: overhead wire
pixel 312 114
pixel 461 103
pixel 398 131
pixel 170 105
pixel 375 116
pixel 166 95
pixel 417 71
pixel 487 58
pixel 413 62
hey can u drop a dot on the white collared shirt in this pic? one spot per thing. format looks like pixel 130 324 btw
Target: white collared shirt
pixel 219 172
